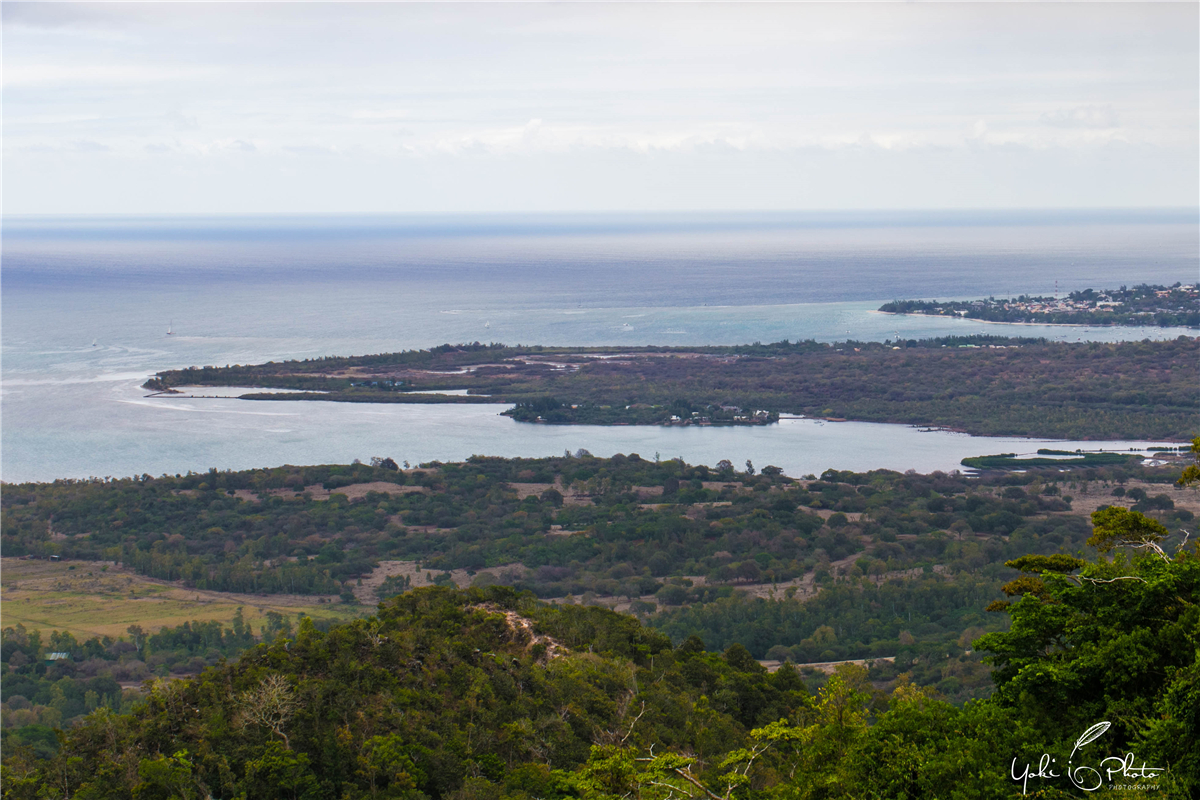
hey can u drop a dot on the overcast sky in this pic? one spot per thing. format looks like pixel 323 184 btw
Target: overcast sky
pixel 228 107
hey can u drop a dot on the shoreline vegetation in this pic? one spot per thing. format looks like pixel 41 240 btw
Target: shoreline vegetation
pixel 982 385
pixel 1011 461
pixel 1143 305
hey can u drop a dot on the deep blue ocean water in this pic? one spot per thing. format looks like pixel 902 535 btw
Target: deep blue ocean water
pixel 87 303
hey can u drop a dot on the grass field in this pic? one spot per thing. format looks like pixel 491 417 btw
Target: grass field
pixel 91 599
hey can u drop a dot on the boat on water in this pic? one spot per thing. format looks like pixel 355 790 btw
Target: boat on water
pixel 93 342
pixel 170 328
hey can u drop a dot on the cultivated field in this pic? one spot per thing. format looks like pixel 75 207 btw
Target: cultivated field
pixel 93 599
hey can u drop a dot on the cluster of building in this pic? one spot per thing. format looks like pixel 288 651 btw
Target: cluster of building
pixel 759 417
pixel 1088 302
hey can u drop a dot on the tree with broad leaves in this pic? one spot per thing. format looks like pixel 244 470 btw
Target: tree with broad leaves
pixel 1111 640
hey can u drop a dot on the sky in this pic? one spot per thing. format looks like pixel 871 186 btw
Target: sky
pixel 534 107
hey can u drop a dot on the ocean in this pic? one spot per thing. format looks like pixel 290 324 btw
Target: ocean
pixel 87 304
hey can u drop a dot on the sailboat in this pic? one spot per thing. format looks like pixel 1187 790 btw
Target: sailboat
pixel 170 325
pixel 93 342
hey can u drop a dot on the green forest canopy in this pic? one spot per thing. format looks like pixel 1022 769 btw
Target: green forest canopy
pixel 488 693
pixel 901 565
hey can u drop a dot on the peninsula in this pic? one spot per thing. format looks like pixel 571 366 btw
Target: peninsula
pixel 986 385
pixel 1160 306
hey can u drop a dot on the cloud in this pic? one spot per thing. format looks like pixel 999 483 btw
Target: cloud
pixel 1082 117
pixel 77 146
pixel 88 145
pixel 52 15
pixel 530 134
pixel 459 95
pixel 380 115
pixel 17 75
pixel 309 150
pixel 181 121
pixel 214 147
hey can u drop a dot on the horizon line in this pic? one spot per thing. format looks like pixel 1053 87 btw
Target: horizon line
pixel 1164 209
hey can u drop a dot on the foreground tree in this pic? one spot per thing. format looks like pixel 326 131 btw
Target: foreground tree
pixel 1115 640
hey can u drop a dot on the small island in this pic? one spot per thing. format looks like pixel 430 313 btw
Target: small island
pixel 1146 305
pixel 550 410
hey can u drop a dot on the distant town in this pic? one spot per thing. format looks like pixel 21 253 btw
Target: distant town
pixel 1162 306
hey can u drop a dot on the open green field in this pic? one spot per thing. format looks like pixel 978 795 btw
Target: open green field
pixel 90 599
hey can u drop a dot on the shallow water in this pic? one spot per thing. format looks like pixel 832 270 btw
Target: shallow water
pixel 175 434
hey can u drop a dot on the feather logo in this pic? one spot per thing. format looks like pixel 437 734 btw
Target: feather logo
pixel 1087 778
pixel 1090 735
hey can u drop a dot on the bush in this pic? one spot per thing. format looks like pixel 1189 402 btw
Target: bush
pixel 1159 502
pixel 672 594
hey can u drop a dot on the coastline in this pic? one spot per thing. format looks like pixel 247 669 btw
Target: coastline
pixel 1028 324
